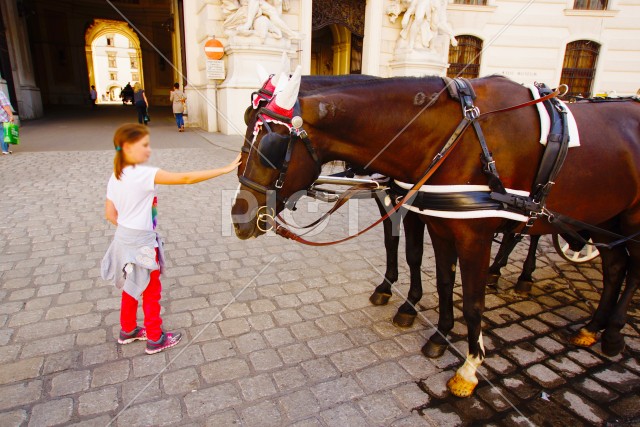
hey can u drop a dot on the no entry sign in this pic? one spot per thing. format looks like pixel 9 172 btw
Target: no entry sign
pixel 213 49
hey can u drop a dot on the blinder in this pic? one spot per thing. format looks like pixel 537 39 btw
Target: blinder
pixel 273 148
pixel 247 115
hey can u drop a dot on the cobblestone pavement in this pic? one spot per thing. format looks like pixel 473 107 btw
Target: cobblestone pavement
pixel 275 333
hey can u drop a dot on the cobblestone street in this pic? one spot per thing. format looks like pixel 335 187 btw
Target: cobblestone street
pixel 275 333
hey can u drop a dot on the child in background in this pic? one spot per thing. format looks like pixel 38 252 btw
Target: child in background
pixel 135 258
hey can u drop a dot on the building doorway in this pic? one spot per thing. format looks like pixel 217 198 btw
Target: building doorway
pixel 114 59
pixel 337 39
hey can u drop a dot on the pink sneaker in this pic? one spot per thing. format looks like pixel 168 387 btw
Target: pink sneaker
pixel 167 340
pixel 137 334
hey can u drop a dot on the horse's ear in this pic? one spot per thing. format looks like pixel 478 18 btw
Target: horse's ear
pixel 285 64
pixel 287 98
pixel 279 81
pixel 262 74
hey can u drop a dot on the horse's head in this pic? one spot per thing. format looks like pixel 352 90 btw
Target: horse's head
pixel 277 162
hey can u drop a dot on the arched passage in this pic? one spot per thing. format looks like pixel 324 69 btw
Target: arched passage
pixel 338 29
pixel 113 57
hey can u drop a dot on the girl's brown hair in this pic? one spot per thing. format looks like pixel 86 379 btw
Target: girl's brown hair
pixel 128 133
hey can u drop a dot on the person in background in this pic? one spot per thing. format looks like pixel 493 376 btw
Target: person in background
pixel 140 101
pixel 6 115
pixel 93 94
pixel 177 99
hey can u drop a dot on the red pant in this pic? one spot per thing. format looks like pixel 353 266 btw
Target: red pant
pixel 150 307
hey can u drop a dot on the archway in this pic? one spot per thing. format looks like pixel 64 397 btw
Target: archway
pixel 114 58
pixel 338 29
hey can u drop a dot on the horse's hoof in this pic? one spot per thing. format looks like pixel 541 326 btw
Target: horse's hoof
pixel 378 298
pixel 612 348
pixel 433 350
pixel 523 287
pixel 460 387
pixel 493 279
pixel 403 320
pixel 583 338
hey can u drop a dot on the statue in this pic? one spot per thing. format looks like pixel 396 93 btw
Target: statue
pixel 257 17
pixel 421 23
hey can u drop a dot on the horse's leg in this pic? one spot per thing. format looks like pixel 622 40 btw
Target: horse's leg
pixel 501 259
pixel 615 263
pixel 446 259
pixel 612 339
pixel 414 239
pixel 475 253
pixel 382 293
pixel 525 281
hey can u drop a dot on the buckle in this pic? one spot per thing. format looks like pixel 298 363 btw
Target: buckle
pixel 472 112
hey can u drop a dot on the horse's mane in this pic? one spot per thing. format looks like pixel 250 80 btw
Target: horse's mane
pixel 313 83
pixel 363 81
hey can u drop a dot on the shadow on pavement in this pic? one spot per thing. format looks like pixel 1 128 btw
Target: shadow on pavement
pixel 82 128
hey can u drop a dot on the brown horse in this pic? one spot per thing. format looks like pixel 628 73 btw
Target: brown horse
pixel 599 183
pixel 413 226
pixel 414 229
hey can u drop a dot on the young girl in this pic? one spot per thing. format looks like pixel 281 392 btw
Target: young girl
pixel 135 258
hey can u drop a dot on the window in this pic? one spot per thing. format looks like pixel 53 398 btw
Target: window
pixel 112 59
pixel 579 67
pixel 474 2
pixel 464 59
pixel 110 41
pixel 135 77
pixel 133 60
pixel 113 76
pixel 590 4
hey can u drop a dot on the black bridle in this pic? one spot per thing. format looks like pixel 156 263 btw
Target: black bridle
pixel 295 134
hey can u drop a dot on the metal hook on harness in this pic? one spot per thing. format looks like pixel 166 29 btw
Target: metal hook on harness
pixel 472 112
pixel 264 217
pixel 562 86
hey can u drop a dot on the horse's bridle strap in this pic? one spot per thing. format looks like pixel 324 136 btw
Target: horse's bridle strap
pixel 253 185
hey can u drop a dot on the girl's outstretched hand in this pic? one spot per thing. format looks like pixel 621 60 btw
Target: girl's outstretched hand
pixel 234 164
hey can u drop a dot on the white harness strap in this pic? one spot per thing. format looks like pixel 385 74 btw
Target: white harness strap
pixel 545 121
pixel 486 213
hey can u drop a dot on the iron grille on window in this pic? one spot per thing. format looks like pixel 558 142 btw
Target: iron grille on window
pixel 590 4
pixel 474 2
pixel 464 59
pixel 579 67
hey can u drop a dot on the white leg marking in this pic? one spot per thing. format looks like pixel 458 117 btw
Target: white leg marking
pixel 471 365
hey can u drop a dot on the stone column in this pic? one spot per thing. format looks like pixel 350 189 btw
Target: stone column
pixel 201 22
pixel 305 43
pixel 422 46
pixel 257 33
pixel 243 54
pixel 372 42
pixel 27 93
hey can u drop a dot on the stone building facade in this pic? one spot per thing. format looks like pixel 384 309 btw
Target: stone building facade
pixel 591 45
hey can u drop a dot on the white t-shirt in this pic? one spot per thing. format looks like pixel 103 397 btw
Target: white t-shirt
pixel 133 196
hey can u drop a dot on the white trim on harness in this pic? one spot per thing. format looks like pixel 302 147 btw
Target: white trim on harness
pixel 488 213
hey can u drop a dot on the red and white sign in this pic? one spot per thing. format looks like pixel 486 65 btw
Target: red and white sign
pixel 213 49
